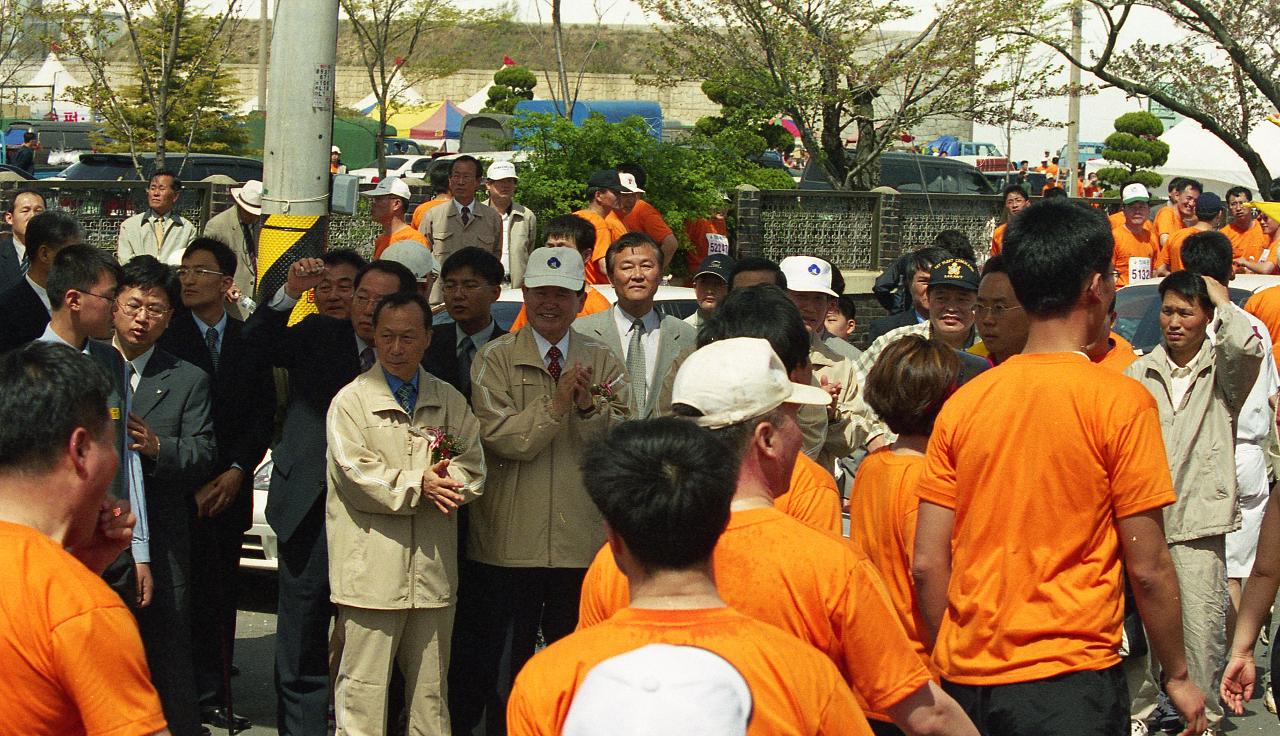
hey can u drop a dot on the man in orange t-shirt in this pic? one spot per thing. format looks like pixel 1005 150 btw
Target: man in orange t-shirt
pixel 1250 246
pixel 1265 305
pixel 774 568
pixel 1208 210
pixel 69 647
pixel 665 507
pixel 906 387
pixel 1136 245
pixel 604 191
pixel 1020 547
pixel 390 200
pixel 1181 210
pixel 812 497
pixel 641 217
pixel 703 232
pixel 440 195
pixel 571 231
pixel 1015 201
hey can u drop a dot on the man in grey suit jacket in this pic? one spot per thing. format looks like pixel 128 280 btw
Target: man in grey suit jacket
pixel 171 428
pixel 519 223
pixel 463 221
pixel 634 264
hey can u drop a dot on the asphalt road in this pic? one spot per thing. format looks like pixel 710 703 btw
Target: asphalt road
pixel 255 650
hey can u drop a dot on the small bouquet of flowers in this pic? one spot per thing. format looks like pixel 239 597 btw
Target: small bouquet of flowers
pixel 605 390
pixel 442 444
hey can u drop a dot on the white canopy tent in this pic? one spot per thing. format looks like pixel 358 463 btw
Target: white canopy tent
pixel 52 74
pixel 1195 152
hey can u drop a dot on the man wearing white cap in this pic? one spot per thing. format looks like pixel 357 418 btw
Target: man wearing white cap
pixel 418 260
pixel 1137 242
pixel 519 224
pixel 666 508
pixel 390 202
pixel 809 286
pixel 767 564
pixel 237 228
pixel 540 394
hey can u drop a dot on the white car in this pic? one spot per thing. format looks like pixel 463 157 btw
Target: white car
pixel 1138 306
pixel 259 549
pixel 401 166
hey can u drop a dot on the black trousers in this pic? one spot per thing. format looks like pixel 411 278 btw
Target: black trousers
pixel 1091 703
pixel 165 626
pixel 302 630
pixel 501 611
pixel 215 590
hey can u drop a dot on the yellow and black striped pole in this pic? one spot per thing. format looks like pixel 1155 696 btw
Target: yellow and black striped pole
pixel 283 240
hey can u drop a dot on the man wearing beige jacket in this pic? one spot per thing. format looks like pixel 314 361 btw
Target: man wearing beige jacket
pixel 403 454
pixel 1201 375
pixel 540 395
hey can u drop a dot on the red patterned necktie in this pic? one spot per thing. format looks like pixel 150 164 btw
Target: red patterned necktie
pixel 553 363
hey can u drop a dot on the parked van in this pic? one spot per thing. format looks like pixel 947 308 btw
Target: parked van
pixel 60 143
pixel 914 172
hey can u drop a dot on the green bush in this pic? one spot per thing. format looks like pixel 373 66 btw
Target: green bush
pixel 686 180
pixel 1135 144
pixel 510 85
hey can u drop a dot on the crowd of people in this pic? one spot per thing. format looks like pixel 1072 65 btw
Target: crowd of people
pixel 612 520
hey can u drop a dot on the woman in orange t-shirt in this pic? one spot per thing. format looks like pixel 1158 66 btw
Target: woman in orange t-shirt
pixel 906 387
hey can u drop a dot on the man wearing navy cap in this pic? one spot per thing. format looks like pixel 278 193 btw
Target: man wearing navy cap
pixel 710 284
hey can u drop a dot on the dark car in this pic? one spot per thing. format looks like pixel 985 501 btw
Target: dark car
pixel 190 167
pixel 913 172
pixel 1138 307
pixel 61 143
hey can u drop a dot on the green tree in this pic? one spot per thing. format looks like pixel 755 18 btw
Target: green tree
pixel 1225 73
pixel 828 65
pixel 738 111
pixel 180 96
pixel 510 85
pixel 1136 144
pixel 686 180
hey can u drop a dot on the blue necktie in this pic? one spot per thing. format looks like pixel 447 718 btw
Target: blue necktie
pixel 407 397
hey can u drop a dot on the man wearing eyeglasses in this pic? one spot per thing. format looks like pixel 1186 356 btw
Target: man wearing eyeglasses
pixel 242 398
pixel 464 221
pixel 170 426
pixel 82 291
pixel 1001 323
pixel 158 231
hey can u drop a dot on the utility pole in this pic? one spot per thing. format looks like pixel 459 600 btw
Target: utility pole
pixel 295 193
pixel 1073 100
pixel 264 39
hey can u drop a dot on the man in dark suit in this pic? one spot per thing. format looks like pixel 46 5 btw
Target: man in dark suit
pixel 170 427
pixel 471 280
pixel 25 304
pixel 242 397
pixel 322 354
pixel 15 259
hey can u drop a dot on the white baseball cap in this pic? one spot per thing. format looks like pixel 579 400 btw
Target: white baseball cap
pixel 335 149
pixel 733 380
pixel 1135 192
pixel 412 255
pixel 501 170
pixel 629 184
pixel 249 196
pixel 554 267
pixel 658 690
pixel 390 185
pixel 805 273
